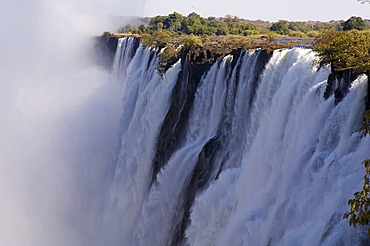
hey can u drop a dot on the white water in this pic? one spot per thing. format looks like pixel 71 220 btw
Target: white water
pixel 291 160
pixel 300 170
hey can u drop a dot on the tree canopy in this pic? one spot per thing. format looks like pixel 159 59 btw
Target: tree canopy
pixel 354 23
pixel 233 25
pixel 345 50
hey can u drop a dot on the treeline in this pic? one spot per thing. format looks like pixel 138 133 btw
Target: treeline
pixel 232 25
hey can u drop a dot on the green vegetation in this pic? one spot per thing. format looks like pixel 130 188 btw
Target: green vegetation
pixel 360 213
pixel 194 24
pixel 280 27
pixel 158 39
pixel 345 50
pixel 190 41
pixel 354 23
pixel 167 58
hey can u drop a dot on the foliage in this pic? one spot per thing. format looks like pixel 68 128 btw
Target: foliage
pixel 360 213
pixel 129 29
pixel 107 34
pixel 280 27
pixel 241 42
pixel 354 23
pixel 297 34
pixel 205 39
pixel 251 32
pixel 313 34
pixel 272 37
pixel 345 50
pixel 167 58
pixel 190 41
pixel 230 25
pixel 156 39
pixel 178 24
pixel 299 27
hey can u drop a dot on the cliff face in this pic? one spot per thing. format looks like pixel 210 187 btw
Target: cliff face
pixel 339 83
pixel 105 50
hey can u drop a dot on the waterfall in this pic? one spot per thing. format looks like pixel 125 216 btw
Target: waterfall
pixel 251 153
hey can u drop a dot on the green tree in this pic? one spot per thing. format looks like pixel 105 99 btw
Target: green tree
pixel 271 37
pixel 190 41
pixel 345 50
pixel 142 28
pixel 248 26
pixel 220 26
pixel 157 39
pixel 354 23
pixel 251 32
pixel 205 39
pixel 280 27
pixel 174 22
pixel 299 26
pixel 153 24
pixel 129 29
pixel 167 58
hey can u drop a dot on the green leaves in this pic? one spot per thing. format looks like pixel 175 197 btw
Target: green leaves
pixel 190 41
pixel 156 39
pixel 354 23
pixel 167 58
pixel 345 50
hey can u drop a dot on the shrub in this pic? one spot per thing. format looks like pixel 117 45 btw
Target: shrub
pixel 313 34
pixel 251 32
pixel 272 36
pixel 190 41
pixel 297 34
pixel 167 58
pixel 241 42
pixel 157 39
pixel 205 39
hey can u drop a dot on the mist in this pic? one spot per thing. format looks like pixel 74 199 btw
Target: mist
pixel 59 113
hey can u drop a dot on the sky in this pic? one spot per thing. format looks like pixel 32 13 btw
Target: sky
pixel 269 10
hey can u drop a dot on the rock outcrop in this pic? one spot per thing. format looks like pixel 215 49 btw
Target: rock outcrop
pixel 339 83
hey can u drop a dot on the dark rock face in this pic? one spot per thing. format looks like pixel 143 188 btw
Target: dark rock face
pixel 339 83
pixel 105 50
pixel 194 65
pixel 106 47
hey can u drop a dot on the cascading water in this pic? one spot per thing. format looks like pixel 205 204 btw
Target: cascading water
pixel 261 158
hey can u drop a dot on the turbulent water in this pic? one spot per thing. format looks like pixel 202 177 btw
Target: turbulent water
pixel 255 157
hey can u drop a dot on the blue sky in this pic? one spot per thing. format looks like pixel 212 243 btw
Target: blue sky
pixel 271 10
